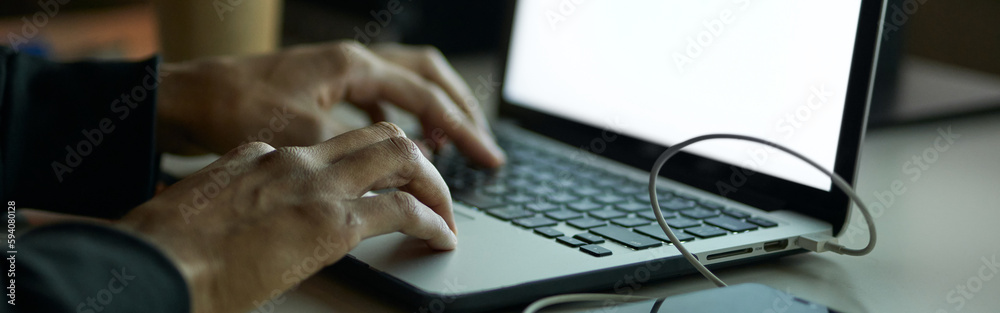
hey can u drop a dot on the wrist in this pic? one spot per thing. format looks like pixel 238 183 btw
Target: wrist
pixel 186 256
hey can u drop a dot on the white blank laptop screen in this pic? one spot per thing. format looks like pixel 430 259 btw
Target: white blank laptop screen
pixel 668 70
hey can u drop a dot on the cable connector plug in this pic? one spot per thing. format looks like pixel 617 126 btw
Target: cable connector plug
pixel 818 243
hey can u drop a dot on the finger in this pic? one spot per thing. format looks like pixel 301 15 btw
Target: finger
pixel 431 64
pixel 374 111
pixel 401 212
pixel 432 106
pixel 395 163
pixel 344 144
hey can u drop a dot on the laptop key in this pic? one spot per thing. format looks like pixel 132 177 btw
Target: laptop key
pixel 705 231
pixel 518 182
pixel 564 183
pixel 510 212
pixel 735 213
pixel 582 173
pixel 682 222
pixel 643 197
pixel 608 199
pixel 585 223
pixel 541 207
pixel 762 222
pixel 630 221
pixel 700 213
pixel 548 232
pixel 496 190
pixel 519 198
pixel 539 190
pixel 628 189
pixel 633 207
pixel 537 221
pixel 477 200
pixel 731 224
pixel 676 204
pixel 563 215
pixel 586 191
pixel 656 232
pixel 584 206
pixel 711 205
pixel 589 238
pixel 626 237
pixel 606 214
pixel 542 176
pixel 652 217
pixel 607 182
pixel 595 250
pixel 562 198
pixel 570 241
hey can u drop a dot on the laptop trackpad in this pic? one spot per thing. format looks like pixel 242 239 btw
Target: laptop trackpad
pixel 462 216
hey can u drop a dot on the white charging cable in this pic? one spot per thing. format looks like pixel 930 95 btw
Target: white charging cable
pixel 812 243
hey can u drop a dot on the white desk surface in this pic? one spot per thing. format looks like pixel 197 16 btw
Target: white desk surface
pixel 932 239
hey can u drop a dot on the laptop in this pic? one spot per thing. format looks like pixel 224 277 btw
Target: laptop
pixel 592 93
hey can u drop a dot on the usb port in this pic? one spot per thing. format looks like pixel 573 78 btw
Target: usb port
pixel 775 245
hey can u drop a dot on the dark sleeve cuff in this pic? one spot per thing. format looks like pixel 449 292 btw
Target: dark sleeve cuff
pixel 93 268
pixel 77 137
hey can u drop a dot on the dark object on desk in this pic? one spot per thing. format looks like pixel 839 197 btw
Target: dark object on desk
pixel 71 139
pixel 79 267
pixel 733 299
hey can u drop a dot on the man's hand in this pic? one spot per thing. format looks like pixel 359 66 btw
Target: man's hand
pixel 270 212
pixel 213 105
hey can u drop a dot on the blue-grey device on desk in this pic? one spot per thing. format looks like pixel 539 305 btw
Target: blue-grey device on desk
pixel 592 93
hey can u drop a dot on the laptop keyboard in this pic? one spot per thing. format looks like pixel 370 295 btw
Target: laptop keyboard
pixel 539 190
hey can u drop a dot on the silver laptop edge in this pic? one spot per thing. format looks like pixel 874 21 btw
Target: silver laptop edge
pixel 495 254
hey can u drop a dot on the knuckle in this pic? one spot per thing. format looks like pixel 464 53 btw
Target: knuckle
pixel 348 44
pixel 405 148
pixel 389 129
pixel 407 205
pixel 290 156
pixel 351 48
pixel 252 149
pixel 431 52
pixel 349 55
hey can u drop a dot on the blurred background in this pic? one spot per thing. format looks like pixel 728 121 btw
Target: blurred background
pixel 939 58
